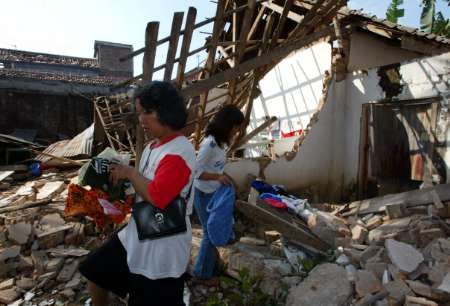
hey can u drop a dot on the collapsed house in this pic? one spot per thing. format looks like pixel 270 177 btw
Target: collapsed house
pixel 47 97
pixel 340 106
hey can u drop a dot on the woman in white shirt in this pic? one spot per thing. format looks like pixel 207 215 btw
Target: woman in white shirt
pixel 209 176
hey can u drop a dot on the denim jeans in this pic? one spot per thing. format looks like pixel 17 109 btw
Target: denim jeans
pixel 207 256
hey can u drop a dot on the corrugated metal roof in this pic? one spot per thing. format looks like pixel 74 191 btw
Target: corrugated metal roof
pixel 79 146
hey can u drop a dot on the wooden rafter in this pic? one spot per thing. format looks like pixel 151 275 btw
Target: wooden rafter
pixel 187 37
pixel 217 29
pixel 173 44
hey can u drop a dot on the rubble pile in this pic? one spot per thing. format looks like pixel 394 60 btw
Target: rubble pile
pixel 396 255
pixel 40 249
pixel 399 255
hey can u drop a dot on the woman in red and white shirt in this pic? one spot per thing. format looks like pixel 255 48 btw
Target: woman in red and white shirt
pixel 149 271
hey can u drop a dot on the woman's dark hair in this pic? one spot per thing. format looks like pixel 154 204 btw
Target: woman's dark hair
pixel 164 99
pixel 222 124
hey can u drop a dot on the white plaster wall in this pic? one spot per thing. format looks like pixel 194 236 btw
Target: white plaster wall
pixel 368 51
pixel 291 91
pixel 422 78
pixel 328 159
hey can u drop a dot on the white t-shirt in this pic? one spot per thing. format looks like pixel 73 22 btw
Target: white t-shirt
pixel 168 256
pixel 211 158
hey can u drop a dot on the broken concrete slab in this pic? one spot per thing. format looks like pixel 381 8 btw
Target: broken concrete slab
pixel 52 220
pixel 396 210
pixel 445 285
pixel 359 234
pixel 403 255
pixel 374 222
pixel 427 291
pixel 398 290
pixel 40 260
pixel 367 283
pixel 9 295
pixel 49 190
pixel 25 283
pixel 72 252
pixel 327 226
pixel 54 264
pixel 7 284
pixel 388 228
pixel 377 268
pixel 19 232
pixel 418 301
pixel 321 288
pixel 52 237
pixel 11 252
pixel 68 271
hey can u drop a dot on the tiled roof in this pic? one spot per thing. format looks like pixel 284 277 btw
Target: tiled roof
pixel 34 57
pixel 396 27
pixel 69 78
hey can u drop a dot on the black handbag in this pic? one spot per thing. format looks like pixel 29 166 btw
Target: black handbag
pixel 153 222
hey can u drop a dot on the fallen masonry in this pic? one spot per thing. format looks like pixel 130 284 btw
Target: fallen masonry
pixel 337 258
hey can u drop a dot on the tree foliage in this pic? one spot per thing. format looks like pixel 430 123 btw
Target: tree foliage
pixel 432 21
pixel 394 11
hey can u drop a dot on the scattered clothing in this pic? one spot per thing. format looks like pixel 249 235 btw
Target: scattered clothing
pixel 263 187
pixel 273 200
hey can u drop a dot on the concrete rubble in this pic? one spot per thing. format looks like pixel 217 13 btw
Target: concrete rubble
pixel 381 258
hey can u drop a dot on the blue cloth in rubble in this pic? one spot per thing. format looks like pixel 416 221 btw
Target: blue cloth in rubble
pixel 263 187
pixel 220 216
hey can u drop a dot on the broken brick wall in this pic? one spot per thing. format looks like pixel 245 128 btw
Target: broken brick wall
pixel 50 115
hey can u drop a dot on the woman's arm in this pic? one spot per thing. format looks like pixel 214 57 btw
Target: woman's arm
pixel 139 182
pixel 222 178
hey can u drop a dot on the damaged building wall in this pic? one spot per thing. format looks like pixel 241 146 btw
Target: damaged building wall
pixel 365 49
pixel 327 161
pixel 51 115
pixel 292 90
pixel 421 78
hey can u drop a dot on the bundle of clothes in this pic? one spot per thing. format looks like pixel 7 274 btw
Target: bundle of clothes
pixel 276 196
pixel 94 195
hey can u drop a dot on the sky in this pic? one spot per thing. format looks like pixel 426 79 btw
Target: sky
pixel 71 27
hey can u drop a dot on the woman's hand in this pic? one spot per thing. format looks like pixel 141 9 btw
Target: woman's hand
pixel 119 172
pixel 225 180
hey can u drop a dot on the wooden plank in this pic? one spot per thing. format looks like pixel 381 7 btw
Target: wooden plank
pixel 187 37
pixel 256 131
pixel 281 22
pixel 151 36
pixel 5 174
pixel 412 198
pixel 217 29
pixel 226 56
pixel 280 10
pixel 173 44
pixel 273 56
pixel 283 224
pixel 196 26
pixel 256 22
pixel 245 27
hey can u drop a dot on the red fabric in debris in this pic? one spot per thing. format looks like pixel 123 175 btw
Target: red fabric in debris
pixel 81 201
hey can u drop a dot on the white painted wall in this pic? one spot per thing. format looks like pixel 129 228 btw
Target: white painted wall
pixel 368 51
pixel 328 159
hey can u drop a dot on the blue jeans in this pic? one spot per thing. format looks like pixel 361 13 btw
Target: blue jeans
pixel 207 256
